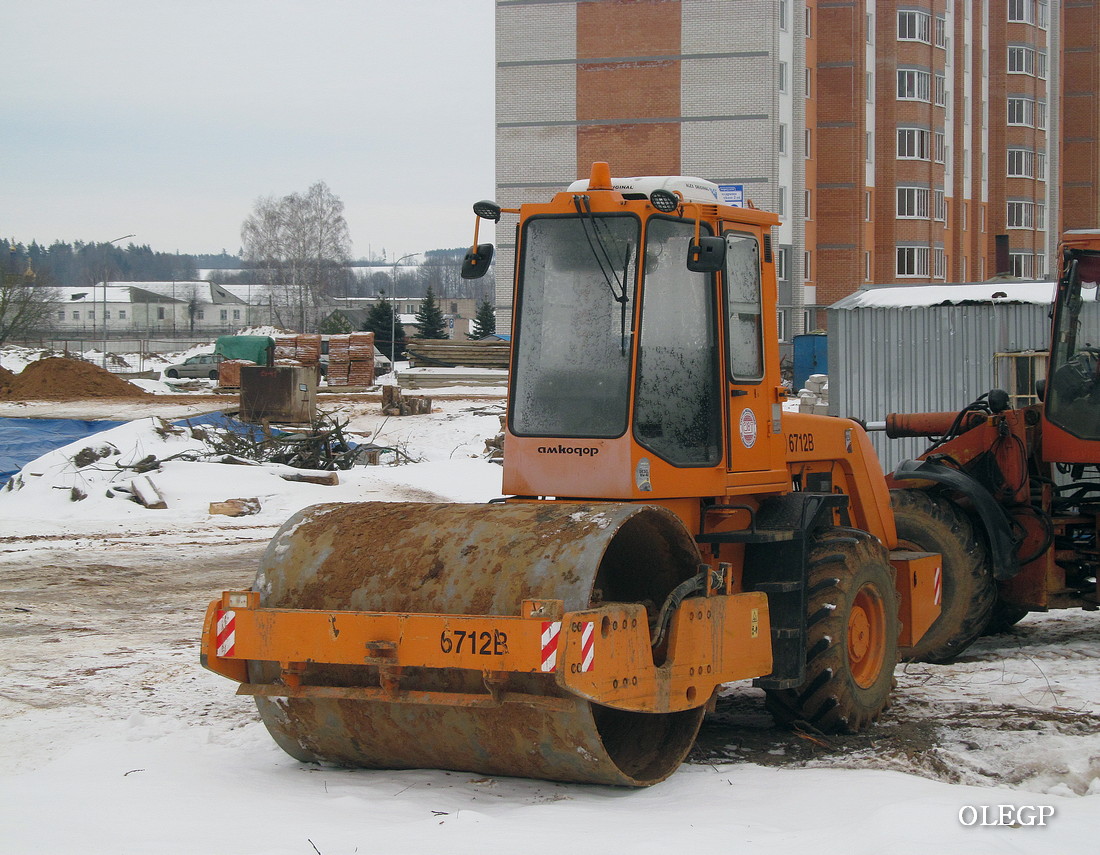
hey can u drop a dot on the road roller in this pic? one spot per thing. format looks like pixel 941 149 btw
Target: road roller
pixel 666 528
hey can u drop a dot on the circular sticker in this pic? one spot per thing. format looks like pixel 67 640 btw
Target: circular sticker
pixel 747 426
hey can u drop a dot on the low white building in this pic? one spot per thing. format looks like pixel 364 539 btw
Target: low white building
pixel 154 309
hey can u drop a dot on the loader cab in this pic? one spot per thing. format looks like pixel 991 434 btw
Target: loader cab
pixel 1072 405
pixel 639 364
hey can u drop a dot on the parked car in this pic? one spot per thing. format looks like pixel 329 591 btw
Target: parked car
pixel 203 365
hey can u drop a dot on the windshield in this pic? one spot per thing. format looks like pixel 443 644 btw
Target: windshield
pixel 575 302
pixel 1074 396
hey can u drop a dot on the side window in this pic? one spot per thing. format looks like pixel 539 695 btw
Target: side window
pixel 743 307
pixel 677 399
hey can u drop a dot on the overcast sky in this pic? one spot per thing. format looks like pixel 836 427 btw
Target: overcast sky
pixel 169 118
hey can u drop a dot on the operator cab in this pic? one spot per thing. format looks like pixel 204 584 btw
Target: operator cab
pixel 1073 396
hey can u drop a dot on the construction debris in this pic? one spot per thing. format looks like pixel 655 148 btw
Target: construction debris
pixel 394 403
pixel 236 507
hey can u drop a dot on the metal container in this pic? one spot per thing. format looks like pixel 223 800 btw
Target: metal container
pixel 278 393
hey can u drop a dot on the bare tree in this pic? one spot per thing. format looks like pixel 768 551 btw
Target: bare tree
pixel 25 308
pixel 301 241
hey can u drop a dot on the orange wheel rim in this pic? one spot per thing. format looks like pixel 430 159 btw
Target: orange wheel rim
pixel 866 636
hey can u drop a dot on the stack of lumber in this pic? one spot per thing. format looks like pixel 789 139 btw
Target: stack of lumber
pixel 452 353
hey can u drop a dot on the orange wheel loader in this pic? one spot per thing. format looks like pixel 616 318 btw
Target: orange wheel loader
pixel 668 528
pixel 1011 497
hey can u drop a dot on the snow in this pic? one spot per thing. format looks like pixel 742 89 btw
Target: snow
pixel 114 740
pixel 1039 293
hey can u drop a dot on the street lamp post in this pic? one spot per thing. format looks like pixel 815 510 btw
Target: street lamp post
pixel 106 273
pixel 393 312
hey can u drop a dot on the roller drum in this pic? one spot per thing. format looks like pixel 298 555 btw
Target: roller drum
pixel 475 560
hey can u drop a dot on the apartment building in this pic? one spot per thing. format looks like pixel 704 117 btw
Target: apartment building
pixel 895 138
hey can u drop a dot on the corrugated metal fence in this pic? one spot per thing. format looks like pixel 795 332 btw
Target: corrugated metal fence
pixel 915 359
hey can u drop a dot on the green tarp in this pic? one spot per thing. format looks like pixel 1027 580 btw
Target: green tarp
pixel 251 347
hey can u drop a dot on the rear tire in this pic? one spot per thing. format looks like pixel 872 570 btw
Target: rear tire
pixel 928 523
pixel 173 373
pixel 213 375
pixel 851 636
pixel 1003 617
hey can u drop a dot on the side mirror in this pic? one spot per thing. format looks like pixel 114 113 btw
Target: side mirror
pixel 477 260
pixel 708 255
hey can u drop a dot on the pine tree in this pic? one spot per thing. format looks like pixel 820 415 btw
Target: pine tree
pixel 380 320
pixel 485 321
pixel 429 320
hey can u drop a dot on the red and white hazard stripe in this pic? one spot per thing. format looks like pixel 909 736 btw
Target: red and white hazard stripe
pixel 588 646
pixel 937 586
pixel 227 633
pixel 550 632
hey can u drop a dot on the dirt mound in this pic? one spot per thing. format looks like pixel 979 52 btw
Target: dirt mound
pixel 60 379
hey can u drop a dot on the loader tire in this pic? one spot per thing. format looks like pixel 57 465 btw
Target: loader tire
pixel 851 637
pixel 930 523
pixel 1003 617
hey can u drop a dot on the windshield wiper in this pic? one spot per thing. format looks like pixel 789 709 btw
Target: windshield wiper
pixel 600 252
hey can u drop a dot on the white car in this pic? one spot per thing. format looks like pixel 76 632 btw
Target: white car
pixel 203 365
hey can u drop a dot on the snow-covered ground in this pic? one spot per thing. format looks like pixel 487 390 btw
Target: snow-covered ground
pixel 114 740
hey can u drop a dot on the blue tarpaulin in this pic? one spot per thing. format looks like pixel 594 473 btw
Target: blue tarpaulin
pixel 24 440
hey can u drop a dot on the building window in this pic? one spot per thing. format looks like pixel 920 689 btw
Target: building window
pixel 781 264
pixel 1040 266
pixel 1020 215
pixel 870 28
pixel 914 85
pixel 1021 163
pixel 76 316
pixel 809 23
pixel 915 27
pixel 964 212
pixel 783 10
pixel 781 324
pixel 941 90
pixel 1041 115
pixel 1041 14
pixel 809 206
pixel 941 32
pixel 224 314
pixel 200 314
pixel 782 138
pixel 913 261
pixel 782 77
pixel 236 314
pixel 1041 165
pixel 809 83
pixel 61 315
pixel 122 314
pixel 962 269
pixel 1040 216
pixel 1041 64
pixel 870 143
pixel 939 201
pixel 160 313
pixel 866 206
pixel 809 143
pixel 1021 60
pixel 941 147
pixel 870 86
pixel 1021 11
pixel 913 203
pixel 939 262
pixel 866 265
pixel 806 268
pixel 1021 111
pixel 91 314
pixel 913 144
pixel 106 314
pixel 1021 264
